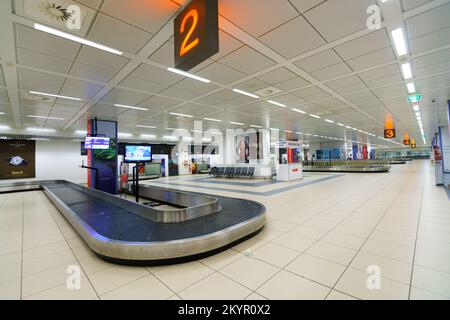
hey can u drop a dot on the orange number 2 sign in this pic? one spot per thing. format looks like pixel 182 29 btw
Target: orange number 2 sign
pixel 185 46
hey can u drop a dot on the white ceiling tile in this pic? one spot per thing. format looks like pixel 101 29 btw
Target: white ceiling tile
pixel 80 89
pixel 288 47
pixel 164 54
pixel 179 93
pixel 255 16
pixel 319 61
pixel 35 40
pixel 118 35
pixel 94 4
pixel 376 40
pixel 431 59
pixel 43 61
pixel 220 73
pixel 159 103
pixel 125 97
pixel 350 16
pixel 295 83
pixel 227 44
pixel 149 15
pixel 429 21
pixel 252 85
pixel 90 72
pixel 101 59
pixel 38 81
pixel 277 76
pixel 372 59
pixel 143 85
pixel 336 70
pixel 2 80
pixel 154 74
pixel 247 60
pixel 194 86
pixel 430 41
pixel 4 96
pixel 305 5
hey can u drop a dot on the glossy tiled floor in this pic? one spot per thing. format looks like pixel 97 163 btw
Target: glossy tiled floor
pixel 318 243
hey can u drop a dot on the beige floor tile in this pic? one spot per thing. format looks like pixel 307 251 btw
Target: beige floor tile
pixel 114 277
pixel 343 240
pixel 431 280
pixel 387 250
pixel 308 232
pixel 294 242
pixel 275 255
pixel 419 294
pixel 94 264
pixel 331 252
pixel 180 276
pixel 44 262
pixel 10 290
pixel 45 250
pixel 10 272
pixel 316 269
pixel 354 283
pixel 61 292
pixel 222 259
pixel 215 287
pixel 249 245
pixel 336 295
pixel 174 297
pixel 391 269
pixel 249 272
pixel 146 288
pixel 432 261
pixel 255 297
pixel 288 286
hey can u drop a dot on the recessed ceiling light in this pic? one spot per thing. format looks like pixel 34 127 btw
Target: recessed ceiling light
pixel 71 37
pixel 142 126
pixel 125 134
pixel 411 87
pixel 181 115
pixel 277 103
pixel 54 95
pixel 314 116
pixel 43 117
pixel 246 93
pixel 237 123
pixel 188 75
pixel 40 129
pixel 348 127
pixel 170 138
pixel 289 131
pixel 2 113
pixel 406 70
pixel 148 136
pixel 81 132
pixel 211 119
pixel 2 127
pixel 329 121
pixel 255 126
pixel 298 110
pixel 416 107
pixel 340 124
pixel 399 41
pixel 130 107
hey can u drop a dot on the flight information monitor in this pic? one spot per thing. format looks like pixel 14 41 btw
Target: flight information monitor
pixel 96 143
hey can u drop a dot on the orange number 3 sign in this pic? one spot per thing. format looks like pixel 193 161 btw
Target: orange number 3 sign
pixel 187 43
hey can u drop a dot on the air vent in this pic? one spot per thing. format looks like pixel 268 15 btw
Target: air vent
pixel 267 92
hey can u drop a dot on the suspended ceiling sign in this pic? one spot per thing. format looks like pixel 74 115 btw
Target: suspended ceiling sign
pixel 389 134
pixel 196 35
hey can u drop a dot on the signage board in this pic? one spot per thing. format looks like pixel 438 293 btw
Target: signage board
pixel 389 133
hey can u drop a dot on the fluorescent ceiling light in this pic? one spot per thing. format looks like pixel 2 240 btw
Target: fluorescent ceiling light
pixel 237 123
pixel 211 119
pixel 308 134
pixel 130 107
pixel 348 127
pixel 43 117
pixel 314 116
pixel 411 87
pixel 299 133
pixel 288 131
pixel 416 107
pixel 418 114
pixel 188 75
pixel 71 37
pixel 148 136
pixel 54 95
pixel 399 41
pixel 125 134
pixel 354 129
pixel 298 110
pixel 329 121
pixel 340 124
pixel 2 127
pixel 41 129
pixel 142 126
pixel 2 113
pixel 206 139
pixel 246 93
pixel 277 103
pixel 181 115
pixel 406 69
pixel 255 126
pixel 170 138
pixel 81 132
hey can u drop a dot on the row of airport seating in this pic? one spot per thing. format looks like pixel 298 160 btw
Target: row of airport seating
pixel 232 172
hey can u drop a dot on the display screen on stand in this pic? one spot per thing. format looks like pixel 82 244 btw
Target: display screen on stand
pixel 135 154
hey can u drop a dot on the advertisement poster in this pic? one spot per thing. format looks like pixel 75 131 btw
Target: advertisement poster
pixel 249 147
pixel 242 149
pixel 18 159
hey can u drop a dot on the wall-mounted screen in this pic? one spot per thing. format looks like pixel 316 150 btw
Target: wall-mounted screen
pixel 96 143
pixel 135 153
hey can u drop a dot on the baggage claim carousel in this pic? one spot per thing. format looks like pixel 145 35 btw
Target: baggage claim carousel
pixel 188 225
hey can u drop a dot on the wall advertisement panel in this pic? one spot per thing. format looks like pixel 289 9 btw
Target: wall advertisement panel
pixel 19 159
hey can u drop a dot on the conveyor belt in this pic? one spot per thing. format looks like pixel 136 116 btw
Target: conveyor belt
pixel 122 231
pixel 348 169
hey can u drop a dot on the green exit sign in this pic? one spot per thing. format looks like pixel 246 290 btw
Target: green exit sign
pixel 415 98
